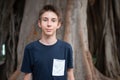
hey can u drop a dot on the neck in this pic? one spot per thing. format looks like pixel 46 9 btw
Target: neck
pixel 47 40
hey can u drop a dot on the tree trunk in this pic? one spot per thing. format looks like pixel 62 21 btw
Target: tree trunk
pixel 104 36
pixel 112 64
pixel 90 26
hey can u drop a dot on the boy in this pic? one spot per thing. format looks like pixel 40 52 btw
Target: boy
pixel 48 58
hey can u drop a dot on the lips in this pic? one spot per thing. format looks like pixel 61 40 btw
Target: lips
pixel 48 30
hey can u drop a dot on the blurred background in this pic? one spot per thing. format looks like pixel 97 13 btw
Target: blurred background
pixel 92 27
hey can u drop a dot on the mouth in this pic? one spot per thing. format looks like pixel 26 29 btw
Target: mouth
pixel 48 30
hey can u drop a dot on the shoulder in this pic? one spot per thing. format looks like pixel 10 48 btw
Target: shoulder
pixel 65 44
pixel 31 44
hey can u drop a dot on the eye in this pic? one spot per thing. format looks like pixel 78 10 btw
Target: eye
pixel 45 19
pixel 54 20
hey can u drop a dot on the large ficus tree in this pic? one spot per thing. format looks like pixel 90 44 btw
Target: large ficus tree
pixel 90 26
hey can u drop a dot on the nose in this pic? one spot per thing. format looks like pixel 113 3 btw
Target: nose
pixel 49 23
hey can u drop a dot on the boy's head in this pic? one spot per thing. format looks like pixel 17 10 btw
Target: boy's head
pixel 52 9
pixel 49 20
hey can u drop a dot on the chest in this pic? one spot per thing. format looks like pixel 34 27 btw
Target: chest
pixel 45 56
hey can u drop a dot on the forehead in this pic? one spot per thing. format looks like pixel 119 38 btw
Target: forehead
pixel 49 14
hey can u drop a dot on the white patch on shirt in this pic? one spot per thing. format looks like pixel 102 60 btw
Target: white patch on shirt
pixel 58 67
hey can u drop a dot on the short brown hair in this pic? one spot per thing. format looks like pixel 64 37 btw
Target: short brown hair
pixel 53 9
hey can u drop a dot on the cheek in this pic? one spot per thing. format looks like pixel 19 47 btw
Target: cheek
pixel 43 24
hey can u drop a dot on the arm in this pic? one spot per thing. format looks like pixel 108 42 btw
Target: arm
pixel 70 74
pixel 27 76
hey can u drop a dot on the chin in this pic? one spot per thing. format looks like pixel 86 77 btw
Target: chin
pixel 49 34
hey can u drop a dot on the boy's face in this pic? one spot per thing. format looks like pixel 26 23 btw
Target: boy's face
pixel 49 23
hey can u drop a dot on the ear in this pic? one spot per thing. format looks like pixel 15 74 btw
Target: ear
pixel 39 24
pixel 59 25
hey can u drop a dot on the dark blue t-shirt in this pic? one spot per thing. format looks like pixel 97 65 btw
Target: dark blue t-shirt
pixel 39 59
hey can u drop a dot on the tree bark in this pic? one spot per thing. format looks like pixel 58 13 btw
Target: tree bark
pixel 90 26
pixel 104 36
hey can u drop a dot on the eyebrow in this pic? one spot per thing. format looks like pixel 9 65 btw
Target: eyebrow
pixel 47 17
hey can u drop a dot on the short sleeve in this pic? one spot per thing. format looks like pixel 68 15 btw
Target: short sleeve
pixel 26 63
pixel 70 58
